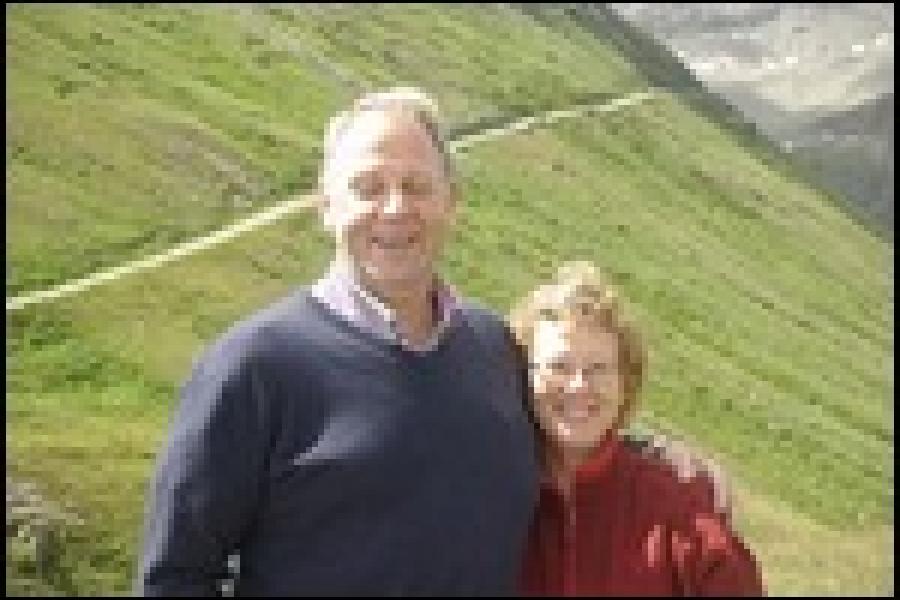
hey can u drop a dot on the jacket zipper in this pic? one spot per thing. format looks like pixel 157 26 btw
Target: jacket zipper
pixel 569 570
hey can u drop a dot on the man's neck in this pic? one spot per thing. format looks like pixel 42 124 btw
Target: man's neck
pixel 411 302
pixel 414 310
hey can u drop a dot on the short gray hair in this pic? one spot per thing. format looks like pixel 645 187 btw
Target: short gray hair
pixel 409 100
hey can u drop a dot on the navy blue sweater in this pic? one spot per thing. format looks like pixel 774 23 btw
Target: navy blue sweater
pixel 337 463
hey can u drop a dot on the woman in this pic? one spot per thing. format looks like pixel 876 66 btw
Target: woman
pixel 611 520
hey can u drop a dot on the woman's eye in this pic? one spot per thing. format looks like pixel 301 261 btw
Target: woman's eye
pixel 603 368
pixel 557 367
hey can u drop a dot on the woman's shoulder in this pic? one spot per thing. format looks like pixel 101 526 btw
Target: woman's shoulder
pixel 673 477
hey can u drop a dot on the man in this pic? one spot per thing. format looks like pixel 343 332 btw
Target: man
pixel 364 435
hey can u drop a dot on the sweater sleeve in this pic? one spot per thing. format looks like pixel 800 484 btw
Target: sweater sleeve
pixel 710 558
pixel 207 481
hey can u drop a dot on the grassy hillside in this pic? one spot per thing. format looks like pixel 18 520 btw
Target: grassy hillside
pixel 131 129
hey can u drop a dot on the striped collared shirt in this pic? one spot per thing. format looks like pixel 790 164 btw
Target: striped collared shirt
pixel 341 291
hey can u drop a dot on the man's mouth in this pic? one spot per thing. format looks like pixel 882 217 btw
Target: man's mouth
pixel 394 242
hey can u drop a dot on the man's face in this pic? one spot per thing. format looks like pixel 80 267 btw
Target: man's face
pixel 577 382
pixel 389 202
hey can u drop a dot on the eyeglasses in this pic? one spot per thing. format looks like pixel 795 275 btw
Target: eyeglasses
pixel 561 371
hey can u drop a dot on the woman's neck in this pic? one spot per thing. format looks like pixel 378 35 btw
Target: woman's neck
pixel 563 461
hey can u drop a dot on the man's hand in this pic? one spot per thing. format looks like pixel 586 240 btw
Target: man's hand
pixel 687 462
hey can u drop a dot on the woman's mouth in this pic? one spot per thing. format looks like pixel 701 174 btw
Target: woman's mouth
pixel 579 414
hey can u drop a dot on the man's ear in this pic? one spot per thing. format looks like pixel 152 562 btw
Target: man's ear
pixel 453 205
pixel 317 198
pixel 323 207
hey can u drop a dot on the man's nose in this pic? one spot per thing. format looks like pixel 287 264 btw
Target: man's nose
pixel 396 202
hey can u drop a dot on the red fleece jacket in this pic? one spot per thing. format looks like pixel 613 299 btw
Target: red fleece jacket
pixel 631 527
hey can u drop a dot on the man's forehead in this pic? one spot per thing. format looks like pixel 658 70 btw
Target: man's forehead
pixel 376 142
pixel 379 133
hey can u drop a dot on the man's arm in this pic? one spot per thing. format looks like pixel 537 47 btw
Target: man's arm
pixel 685 461
pixel 709 557
pixel 208 479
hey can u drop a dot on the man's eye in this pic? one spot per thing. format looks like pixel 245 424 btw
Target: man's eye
pixel 368 189
pixel 417 187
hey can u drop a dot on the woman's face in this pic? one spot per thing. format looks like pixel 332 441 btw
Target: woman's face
pixel 577 383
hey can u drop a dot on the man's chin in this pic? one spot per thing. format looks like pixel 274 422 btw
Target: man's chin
pixel 395 277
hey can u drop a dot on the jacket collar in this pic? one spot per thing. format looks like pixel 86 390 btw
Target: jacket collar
pixel 594 468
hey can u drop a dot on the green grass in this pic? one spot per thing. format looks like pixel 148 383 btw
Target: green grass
pixel 766 309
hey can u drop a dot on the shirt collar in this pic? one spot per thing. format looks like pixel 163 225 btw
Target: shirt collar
pixel 341 290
